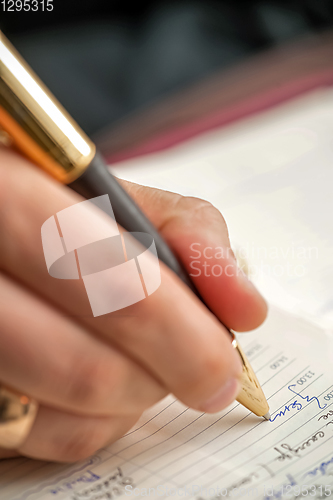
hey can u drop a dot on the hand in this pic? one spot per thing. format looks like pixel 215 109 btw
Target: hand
pixel 94 376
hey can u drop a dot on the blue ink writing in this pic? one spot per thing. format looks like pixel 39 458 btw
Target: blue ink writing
pixel 296 405
pixel 292 406
pixel 322 468
pixel 307 398
pixel 87 477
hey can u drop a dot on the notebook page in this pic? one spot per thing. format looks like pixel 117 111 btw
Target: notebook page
pixel 270 176
pixel 175 451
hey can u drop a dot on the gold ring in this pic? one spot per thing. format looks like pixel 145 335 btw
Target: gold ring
pixel 17 415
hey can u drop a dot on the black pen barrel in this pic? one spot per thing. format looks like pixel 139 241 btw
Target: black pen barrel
pixel 97 180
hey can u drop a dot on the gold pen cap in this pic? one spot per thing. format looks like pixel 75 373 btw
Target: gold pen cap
pixel 35 123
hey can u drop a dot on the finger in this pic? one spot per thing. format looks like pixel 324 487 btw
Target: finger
pixel 198 233
pixel 65 437
pixel 48 356
pixel 171 333
pixel 8 453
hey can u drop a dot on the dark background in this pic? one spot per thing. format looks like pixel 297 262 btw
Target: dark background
pixel 105 59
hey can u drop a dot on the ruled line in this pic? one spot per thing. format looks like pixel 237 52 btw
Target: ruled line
pixel 219 435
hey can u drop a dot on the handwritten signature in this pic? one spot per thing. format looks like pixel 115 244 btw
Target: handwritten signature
pixel 296 405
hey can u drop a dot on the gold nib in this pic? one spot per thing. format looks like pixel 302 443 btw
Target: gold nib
pixel 251 395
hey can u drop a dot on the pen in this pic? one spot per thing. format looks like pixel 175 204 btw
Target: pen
pixel 39 127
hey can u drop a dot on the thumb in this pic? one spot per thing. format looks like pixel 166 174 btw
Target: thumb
pixel 197 233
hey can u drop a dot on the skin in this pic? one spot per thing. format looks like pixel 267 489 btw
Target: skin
pixel 93 377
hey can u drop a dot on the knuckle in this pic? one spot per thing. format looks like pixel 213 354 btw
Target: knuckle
pixel 193 203
pixel 90 382
pixel 200 209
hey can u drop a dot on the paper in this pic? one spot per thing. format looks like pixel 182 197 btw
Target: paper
pixel 271 177
pixel 179 452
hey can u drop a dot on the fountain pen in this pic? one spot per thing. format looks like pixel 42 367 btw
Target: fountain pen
pixel 34 122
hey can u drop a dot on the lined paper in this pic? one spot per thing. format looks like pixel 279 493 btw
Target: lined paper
pixel 176 451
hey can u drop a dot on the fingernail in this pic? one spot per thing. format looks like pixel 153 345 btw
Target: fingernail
pixel 223 397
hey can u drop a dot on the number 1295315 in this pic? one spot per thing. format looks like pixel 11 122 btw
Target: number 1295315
pixel 27 5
